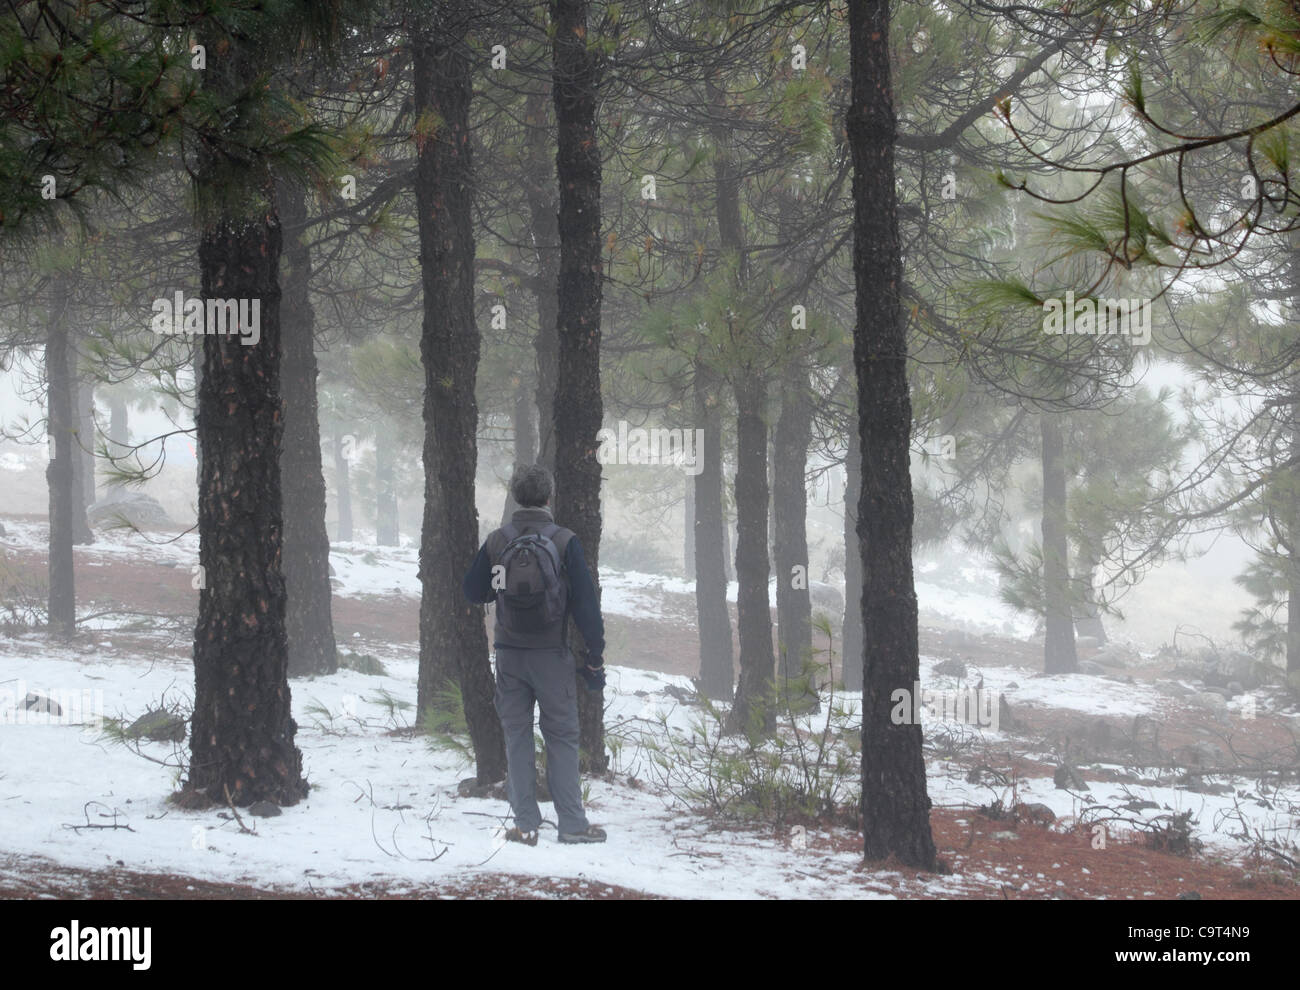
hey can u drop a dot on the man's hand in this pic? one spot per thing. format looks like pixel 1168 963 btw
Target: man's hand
pixel 594 674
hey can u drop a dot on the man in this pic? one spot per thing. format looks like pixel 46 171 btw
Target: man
pixel 535 572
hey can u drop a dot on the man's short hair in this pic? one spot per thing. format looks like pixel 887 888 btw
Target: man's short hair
pixel 532 485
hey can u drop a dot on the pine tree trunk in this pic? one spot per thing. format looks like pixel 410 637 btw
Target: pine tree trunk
pixel 851 635
pixel 1059 656
pixel 544 224
pixel 309 622
pixel 1089 622
pixel 753 711
pixel 84 463
pixel 895 806
pixel 790 440
pixel 342 488
pixel 1293 534
pixel 688 530
pixel 717 671
pixel 453 639
pixel 119 429
pixel 578 404
pixel 242 741
pixel 387 533
pixel 59 476
pixel 525 439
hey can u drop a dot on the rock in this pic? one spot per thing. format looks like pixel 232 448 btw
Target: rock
pixel 1004 835
pixel 3 531
pixel 1235 688
pixel 471 788
pixel 1012 686
pixel 1039 814
pixel 158 724
pixel 950 668
pixel 1207 699
pixel 1189 895
pixel 1222 692
pixel 40 703
pixel 1069 779
pixel 136 508
pixel 264 809
pixel 1091 669
pixel 1141 805
pixel 1115 656
pixel 1172 688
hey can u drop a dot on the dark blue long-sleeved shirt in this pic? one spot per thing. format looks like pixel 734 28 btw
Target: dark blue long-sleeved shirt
pixel 583 605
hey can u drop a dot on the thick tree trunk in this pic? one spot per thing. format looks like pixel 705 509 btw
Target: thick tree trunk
pixel 1059 656
pixel 753 711
pixel 525 439
pixel 895 806
pixel 83 463
pixel 1088 622
pixel 688 530
pixel 119 429
pixel 453 639
pixel 542 208
pixel 309 622
pixel 387 533
pixel 851 635
pixel 342 488
pixel 578 404
pixel 59 475
pixel 790 442
pixel 717 673
pixel 1292 484
pixel 242 742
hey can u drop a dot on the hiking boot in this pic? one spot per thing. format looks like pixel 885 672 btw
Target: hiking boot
pixel 516 834
pixel 594 833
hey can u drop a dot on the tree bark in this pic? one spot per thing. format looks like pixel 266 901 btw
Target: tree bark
pixel 309 621
pixel 717 672
pixel 752 711
pixel 342 488
pixel 851 634
pixel 542 209
pixel 790 440
pixel 1059 656
pixel 242 741
pixel 895 806
pixel 1089 623
pixel 578 405
pixel 83 462
pixel 525 439
pixel 59 476
pixel 453 639
pixel 387 533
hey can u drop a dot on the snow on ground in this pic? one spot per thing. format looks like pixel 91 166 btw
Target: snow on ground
pixel 382 806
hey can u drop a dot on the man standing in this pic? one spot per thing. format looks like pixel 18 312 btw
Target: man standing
pixel 535 572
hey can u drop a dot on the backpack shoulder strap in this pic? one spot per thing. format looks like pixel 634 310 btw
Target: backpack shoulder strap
pixel 560 537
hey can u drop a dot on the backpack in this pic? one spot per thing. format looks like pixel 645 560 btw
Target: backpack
pixel 535 594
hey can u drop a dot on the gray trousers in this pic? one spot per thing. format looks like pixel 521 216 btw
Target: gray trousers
pixel 547 677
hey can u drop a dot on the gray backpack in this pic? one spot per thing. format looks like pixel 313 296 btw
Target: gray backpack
pixel 535 595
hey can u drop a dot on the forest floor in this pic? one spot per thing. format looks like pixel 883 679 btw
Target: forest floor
pixel 1168 788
